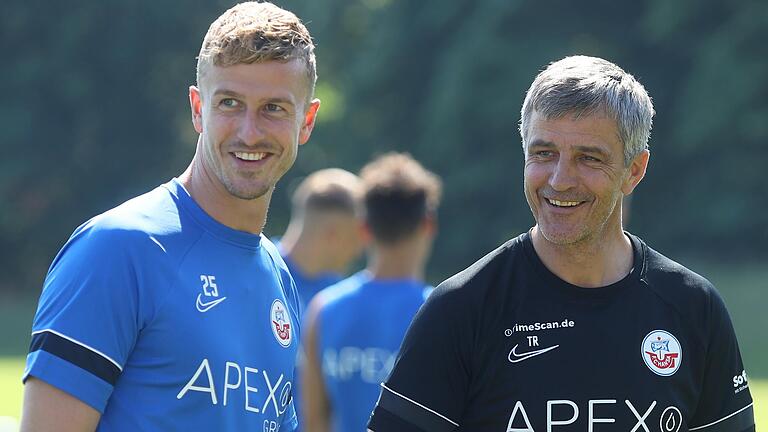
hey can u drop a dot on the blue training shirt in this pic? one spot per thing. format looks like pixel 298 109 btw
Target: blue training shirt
pixel 161 318
pixel 361 323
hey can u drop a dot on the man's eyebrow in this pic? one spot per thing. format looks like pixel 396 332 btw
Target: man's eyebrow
pixel 591 149
pixel 225 92
pixel 541 143
pixel 232 93
pixel 280 100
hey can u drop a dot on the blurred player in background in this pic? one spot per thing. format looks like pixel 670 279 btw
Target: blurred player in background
pixel 172 311
pixel 324 235
pixel 354 328
pixel 576 324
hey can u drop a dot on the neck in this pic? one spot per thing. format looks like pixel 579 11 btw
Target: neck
pixel 590 263
pixel 236 213
pixel 310 253
pixel 404 260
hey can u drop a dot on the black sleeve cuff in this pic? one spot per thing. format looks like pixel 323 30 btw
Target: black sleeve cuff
pixel 395 412
pixel 76 354
pixel 384 421
pixel 742 420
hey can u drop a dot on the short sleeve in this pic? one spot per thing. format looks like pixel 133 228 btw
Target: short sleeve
pixel 427 388
pixel 725 404
pixel 87 317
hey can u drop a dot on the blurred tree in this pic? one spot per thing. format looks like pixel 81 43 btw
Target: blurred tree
pixel 95 111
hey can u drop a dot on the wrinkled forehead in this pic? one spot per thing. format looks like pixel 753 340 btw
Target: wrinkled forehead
pixel 574 129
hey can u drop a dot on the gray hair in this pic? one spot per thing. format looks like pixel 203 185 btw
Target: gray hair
pixel 583 86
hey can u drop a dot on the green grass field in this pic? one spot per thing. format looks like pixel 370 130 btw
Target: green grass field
pixel 11 393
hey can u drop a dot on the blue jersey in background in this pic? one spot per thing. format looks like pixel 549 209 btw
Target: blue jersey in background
pixel 361 324
pixel 307 287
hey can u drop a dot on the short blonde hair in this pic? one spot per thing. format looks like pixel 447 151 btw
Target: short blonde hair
pixel 330 189
pixel 256 32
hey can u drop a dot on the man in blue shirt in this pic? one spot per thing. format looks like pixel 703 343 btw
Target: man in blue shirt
pixel 324 235
pixel 354 328
pixel 172 311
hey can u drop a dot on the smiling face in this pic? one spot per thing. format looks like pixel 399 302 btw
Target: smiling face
pixel 575 177
pixel 251 119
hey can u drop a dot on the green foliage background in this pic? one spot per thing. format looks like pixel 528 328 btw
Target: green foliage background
pixel 94 110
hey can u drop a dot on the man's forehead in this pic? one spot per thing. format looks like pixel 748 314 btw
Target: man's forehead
pixel 570 128
pixel 280 79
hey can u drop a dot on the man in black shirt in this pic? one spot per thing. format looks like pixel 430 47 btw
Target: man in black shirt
pixel 575 325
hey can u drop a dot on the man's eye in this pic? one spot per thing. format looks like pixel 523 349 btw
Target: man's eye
pixel 542 153
pixel 591 159
pixel 229 103
pixel 273 107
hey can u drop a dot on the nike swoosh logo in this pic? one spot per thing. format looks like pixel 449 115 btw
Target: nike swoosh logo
pixel 205 307
pixel 527 355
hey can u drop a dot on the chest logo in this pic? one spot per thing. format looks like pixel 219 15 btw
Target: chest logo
pixel 210 295
pixel 515 357
pixel 662 352
pixel 281 323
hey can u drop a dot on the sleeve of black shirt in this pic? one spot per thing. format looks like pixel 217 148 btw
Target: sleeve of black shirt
pixel 725 404
pixel 427 388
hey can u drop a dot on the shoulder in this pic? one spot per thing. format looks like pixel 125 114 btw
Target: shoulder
pixel 272 251
pixel 138 226
pixel 672 277
pixel 473 298
pixel 340 292
pixel 682 288
pixel 482 278
pixel 155 213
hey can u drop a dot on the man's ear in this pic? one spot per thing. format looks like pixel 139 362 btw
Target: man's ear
pixel 309 121
pixel 636 172
pixel 196 105
pixel 430 224
pixel 365 233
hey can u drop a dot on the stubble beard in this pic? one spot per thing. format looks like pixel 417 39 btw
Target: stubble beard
pixel 239 185
pixel 587 235
pixel 246 192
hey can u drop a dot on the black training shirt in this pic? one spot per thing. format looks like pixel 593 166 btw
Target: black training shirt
pixel 507 346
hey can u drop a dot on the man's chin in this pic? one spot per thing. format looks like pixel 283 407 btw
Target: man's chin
pixel 559 236
pixel 248 192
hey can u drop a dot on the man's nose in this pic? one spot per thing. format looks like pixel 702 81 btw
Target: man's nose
pixel 563 175
pixel 251 131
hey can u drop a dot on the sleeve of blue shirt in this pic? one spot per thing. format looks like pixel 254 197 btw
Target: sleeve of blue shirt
pixel 88 316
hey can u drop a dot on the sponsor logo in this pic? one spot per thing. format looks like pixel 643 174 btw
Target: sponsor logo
pixel 281 323
pixel 662 352
pixel 369 364
pixel 515 357
pixel 258 390
pixel 671 420
pixel 740 382
pixel 539 326
pixel 210 292
pixel 596 413
pixel 206 306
